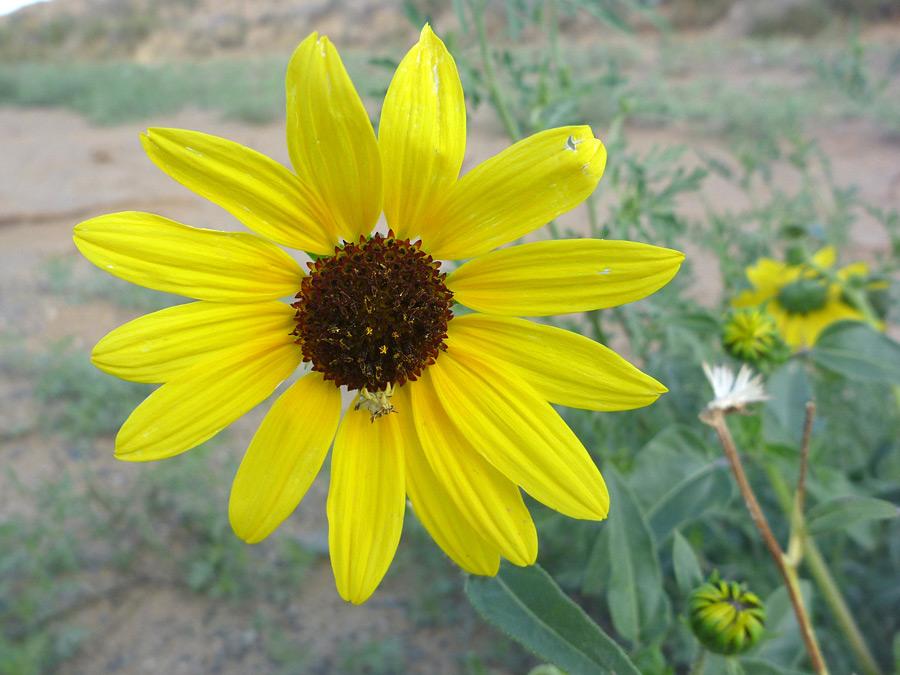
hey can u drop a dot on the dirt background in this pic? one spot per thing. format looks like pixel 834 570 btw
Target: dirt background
pixel 56 169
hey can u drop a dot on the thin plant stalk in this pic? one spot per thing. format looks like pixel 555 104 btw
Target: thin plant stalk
pixel 553 27
pixel 509 122
pixel 828 587
pixel 796 539
pixel 699 662
pixel 716 418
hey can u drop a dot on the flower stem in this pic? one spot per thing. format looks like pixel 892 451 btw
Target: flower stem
pixel 509 122
pixel 797 539
pixel 716 419
pixel 821 574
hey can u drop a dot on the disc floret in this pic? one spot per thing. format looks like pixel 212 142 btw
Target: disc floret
pixel 373 315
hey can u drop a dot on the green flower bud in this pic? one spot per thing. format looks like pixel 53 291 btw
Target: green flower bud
pixel 725 617
pixel 795 255
pixel 804 295
pixel 750 335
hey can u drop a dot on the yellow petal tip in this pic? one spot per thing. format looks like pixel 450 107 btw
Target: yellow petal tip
pixel 596 163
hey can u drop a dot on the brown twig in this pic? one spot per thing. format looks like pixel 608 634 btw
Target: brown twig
pixel 716 419
pixel 798 536
pixel 804 456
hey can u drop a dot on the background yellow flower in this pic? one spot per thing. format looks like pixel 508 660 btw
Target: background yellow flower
pixel 802 302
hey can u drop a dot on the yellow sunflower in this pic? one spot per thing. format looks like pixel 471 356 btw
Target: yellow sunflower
pixel 452 412
pixel 799 298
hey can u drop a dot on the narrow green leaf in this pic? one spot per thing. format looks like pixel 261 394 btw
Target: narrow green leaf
pixel 526 604
pixel 843 511
pixel 857 351
pixel 687 569
pixel 707 488
pixel 638 604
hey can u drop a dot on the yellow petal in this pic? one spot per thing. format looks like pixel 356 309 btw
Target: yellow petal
pixel 433 504
pixel 258 191
pixel 159 253
pixel 563 367
pixel 366 502
pixel 857 269
pixel 559 277
pixel 158 346
pixel 826 257
pixel 750 298
pixel 767 276
pixel 518 432
pixel 206 398
pixel 422 135
pixel 331 141
pixel 284 457
pixel 524 187
pixel 489 501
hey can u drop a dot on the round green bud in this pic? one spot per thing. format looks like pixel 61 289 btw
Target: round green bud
pixel 725 617
pixel 750 334
pixel 804 295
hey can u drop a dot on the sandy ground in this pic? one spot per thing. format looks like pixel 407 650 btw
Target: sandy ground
pixel 58 170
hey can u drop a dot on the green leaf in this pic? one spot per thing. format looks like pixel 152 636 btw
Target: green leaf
pixel 596 572
pixel 687 569
pixel 707 488
pixel 785 413
pixel 857 351
pixel 729 665
pixel 526 604
pixel 669 457
pixel 843 511
pixel 895 648
pixel 785 648
pixel 757 667
pixel 638 604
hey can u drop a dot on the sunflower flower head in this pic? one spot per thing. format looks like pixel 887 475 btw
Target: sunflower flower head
pixel 725 617
pixel 802 297
pixel 452 413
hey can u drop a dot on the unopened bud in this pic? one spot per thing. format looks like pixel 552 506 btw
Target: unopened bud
pixel 725 617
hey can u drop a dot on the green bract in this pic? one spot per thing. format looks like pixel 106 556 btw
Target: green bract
pixel 725 617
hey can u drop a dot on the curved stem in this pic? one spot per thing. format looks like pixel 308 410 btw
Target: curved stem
pixel 797 539
pixel 821 574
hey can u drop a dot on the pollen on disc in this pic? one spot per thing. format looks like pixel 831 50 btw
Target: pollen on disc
pixel 374 314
